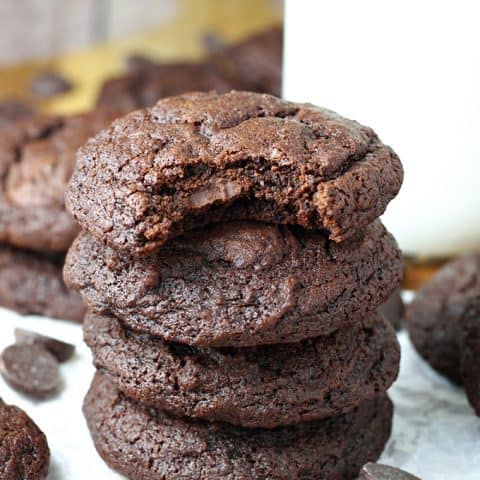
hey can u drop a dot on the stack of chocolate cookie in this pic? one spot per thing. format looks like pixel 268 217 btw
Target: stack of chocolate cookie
pixel 37 156
pixel 232 261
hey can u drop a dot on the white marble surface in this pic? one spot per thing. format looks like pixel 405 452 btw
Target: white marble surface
pixel 435 433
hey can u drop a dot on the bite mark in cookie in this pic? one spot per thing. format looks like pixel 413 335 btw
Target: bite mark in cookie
pixel 206 158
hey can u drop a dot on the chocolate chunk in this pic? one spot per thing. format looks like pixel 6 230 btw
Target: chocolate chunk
pixel 48 84
pixel 62 351
pixel 30 369
pixel 376 471
pixel 24 452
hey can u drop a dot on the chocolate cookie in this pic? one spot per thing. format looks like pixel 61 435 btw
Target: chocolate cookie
pixel 204 158
pixel 468 340
pixel 257 61
pixel 30 369
pixel 62 351
pixel 31 283
pixel 24 452
pixel 253 387
pixel 36 160
pixel 433 317
pixel 154 81
pixel 144 443
pixel 239 284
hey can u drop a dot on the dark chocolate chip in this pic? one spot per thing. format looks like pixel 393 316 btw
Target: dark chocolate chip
pixel 377 471
pixel 30 369
pixel 62 351
pixel 49 84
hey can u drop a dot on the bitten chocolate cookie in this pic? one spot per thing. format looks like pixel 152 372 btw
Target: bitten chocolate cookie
pixel 433 317
pixel 253 387
pixel 241 283
pixel 31 283
pixel 144 443
pixel 24 452
pixel 204 158
pixel 36 160
pixel 62 351
pixel 154 81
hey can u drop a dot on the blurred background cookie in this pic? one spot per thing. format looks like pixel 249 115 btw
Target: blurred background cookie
pixel 37 157
pixel 444 322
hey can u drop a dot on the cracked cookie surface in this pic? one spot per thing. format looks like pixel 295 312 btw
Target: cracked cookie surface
pixel 266 387
pixel 145 443
pixel 205 158
pixel 239 283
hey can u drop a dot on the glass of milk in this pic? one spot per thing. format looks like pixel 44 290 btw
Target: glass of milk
pixel 410 70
